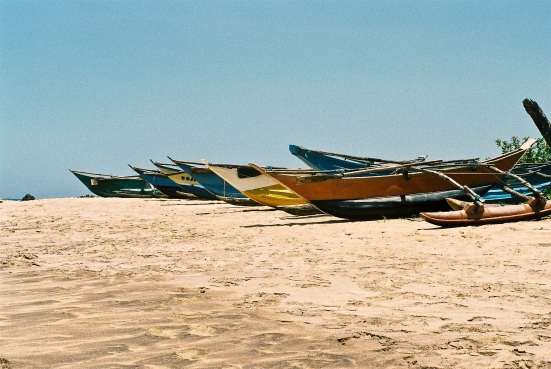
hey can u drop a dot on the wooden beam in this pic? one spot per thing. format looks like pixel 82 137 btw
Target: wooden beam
pixel 539 196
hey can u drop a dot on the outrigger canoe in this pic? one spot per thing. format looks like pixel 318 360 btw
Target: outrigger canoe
pixel 538 175
pixel 472 215
pixel 413 188
pixel 106 185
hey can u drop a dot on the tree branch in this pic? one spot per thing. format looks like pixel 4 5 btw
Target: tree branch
pixel 539 118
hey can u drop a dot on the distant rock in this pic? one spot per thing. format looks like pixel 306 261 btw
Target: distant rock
pixel 28 197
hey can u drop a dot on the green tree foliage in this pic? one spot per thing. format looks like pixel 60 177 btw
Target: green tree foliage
pixel 540 152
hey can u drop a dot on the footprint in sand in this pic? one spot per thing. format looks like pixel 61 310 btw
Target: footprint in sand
pixel 167 333
pixel 192 354
pixel 203 331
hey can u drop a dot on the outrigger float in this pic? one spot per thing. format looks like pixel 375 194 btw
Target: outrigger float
pixel 471 214
pixel 477 213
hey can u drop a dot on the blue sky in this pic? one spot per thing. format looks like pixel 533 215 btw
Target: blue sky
pixel 96 85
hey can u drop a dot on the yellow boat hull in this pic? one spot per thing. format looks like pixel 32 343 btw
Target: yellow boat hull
pixel 275 195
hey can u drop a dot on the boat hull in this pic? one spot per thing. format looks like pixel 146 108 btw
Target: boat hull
pixel 188 185
pixel 177 193
pixel 239 201
pixel 275 196
pixel 211 181
pixel 300 210
pixel 321 161
pixel 325 161
pixel 164 184
pixel 324 187
pixel 127 187
pixel 392 206
pixel 257 186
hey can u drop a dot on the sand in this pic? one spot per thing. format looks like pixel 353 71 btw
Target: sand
pixel 133 283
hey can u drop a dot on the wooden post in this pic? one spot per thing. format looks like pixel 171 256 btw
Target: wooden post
pixel 539 118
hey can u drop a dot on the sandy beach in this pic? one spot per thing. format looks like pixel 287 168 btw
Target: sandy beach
pixel 133 283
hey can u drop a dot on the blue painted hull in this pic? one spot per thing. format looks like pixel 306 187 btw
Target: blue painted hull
pixel 198 191
pixel 165 184
pixel 320 161
pixel 497 195
pixel 215 184
pixel 211 181
pixel 156 179
pixel 192 188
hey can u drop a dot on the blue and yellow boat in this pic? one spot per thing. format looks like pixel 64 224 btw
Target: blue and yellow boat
pixel 215 184
pixel 161 182
pixel 186 182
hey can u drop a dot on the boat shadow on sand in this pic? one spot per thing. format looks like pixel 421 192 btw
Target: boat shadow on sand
pixel 192 203
pixel 330 220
